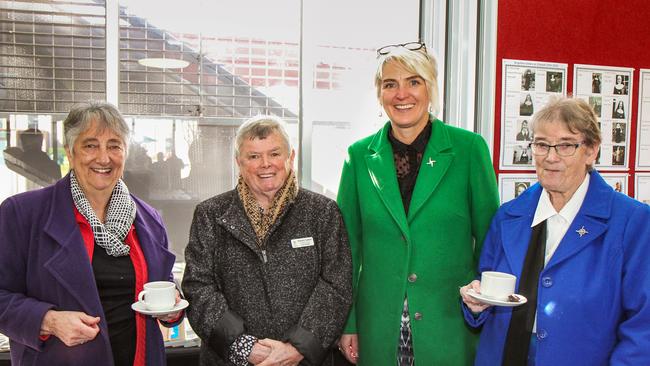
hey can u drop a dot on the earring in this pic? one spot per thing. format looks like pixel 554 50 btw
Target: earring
pixel 381 113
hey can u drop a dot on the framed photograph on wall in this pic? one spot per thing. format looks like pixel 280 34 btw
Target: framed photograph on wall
pixel 642 187
pixel 527 85
pixel 607 89
pixel 512 185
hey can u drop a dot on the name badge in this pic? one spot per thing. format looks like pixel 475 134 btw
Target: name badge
pixel 302 242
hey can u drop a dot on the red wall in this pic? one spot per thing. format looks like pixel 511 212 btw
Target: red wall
pixel 597 32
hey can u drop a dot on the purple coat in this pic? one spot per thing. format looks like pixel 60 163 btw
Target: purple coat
pixel 44 265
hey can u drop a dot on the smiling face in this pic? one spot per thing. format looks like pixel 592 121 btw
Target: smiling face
pixel 97 158
pixel 404 96
pixel 265 165
pixel 562 175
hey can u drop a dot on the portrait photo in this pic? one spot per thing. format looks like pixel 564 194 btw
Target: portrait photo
pixel 526 107
pixel 596 103
pixel 528 80
pixel 621 85
pixel 520 187
pixel 522 156
pixel 523 131
pixel 596 78
pixel 618 109
pixel 554 82
pixel 618 132
pixel 618 186
pixel 618 155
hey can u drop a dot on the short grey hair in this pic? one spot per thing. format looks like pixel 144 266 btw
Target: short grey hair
pixel 261 127
pixel 576 114
pixel 419 62
pixel 105 114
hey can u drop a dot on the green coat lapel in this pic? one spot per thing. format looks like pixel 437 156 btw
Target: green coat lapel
pixel 439 152
pixel 381 168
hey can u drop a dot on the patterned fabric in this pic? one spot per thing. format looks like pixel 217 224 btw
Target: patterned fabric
pixel 261 220
pixel 119 217
pixel 240 349
pixel 408 159
pixel 405 347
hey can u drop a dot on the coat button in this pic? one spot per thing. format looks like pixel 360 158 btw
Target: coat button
pixel 413 277
pixel 547 282
pixel 232 227
pixel 223 220
pixel 541 334
pixel 418 316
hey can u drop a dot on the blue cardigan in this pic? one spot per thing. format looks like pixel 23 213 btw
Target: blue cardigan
pixel 593 305
pixel 44 265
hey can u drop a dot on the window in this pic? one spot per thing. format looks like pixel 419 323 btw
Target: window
pixel 242 59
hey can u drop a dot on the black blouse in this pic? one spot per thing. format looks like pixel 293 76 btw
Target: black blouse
pixel 115 278
pixel 407 162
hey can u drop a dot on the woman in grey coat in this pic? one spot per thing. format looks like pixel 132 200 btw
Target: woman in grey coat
pixel 268 264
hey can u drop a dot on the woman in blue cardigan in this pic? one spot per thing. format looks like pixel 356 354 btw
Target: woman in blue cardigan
pixel 589 293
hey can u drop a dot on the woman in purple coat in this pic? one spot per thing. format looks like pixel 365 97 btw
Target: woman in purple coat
pixel 74 255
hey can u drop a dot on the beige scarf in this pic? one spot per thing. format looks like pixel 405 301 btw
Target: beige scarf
pixel 260 220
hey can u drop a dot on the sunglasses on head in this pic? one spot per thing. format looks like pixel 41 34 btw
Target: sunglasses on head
pixel 411 46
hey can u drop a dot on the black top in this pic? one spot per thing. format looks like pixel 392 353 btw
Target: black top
pixel 407 162
pixel 115 278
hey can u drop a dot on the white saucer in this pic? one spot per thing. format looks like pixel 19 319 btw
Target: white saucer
pixel 140 307
pixel 493 301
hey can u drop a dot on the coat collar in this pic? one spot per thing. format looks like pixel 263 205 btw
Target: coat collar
pixel 235 221
pixel 159 259
pixel 69 264
pixel 592 216
pixel 381 167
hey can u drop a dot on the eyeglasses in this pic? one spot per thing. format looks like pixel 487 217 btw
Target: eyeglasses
pixel 564 149
pixel 411 46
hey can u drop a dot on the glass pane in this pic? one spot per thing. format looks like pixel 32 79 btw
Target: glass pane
pixel 32 147
pixel 339 100
pixel 225 82
pixel 47 40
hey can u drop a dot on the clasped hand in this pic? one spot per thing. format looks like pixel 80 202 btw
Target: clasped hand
pixel 269 352
pixel 73 328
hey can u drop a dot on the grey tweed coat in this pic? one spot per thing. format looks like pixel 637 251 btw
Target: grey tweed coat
pixel 299 294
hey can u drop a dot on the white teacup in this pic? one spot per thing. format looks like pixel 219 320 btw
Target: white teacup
pixel 158 295
pixel 497 285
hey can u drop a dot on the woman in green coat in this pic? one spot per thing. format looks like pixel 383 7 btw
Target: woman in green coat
pixel 417 198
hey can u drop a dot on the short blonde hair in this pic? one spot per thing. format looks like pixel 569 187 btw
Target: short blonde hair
pixel 419 62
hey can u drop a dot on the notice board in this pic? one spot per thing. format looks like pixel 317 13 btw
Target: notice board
pixel 579 32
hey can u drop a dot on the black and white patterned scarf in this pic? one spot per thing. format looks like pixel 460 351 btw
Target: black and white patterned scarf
pixel 119 217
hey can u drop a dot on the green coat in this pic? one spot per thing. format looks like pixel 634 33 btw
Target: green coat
pixel 426 255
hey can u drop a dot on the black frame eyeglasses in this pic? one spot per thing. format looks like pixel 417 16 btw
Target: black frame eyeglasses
pixel 564 149
pixel 411 46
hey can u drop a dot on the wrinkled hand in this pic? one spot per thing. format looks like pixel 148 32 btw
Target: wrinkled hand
pixel 282 354
pixel 71 327
pixel 259 353
pixel 473 305
pixel 172 317
pixel 349 346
